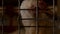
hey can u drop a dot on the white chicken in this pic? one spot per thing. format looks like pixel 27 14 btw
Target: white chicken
pixel 27 4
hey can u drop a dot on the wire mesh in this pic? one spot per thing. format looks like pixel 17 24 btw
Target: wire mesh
pixel 36 19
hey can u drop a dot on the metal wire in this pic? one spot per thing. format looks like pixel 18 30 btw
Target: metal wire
pixel 37 26
pixel 53 16
pixel 18 17
pixel 2 18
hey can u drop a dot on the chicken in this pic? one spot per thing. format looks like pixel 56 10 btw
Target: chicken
pixel 26 4
pixel 32 4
